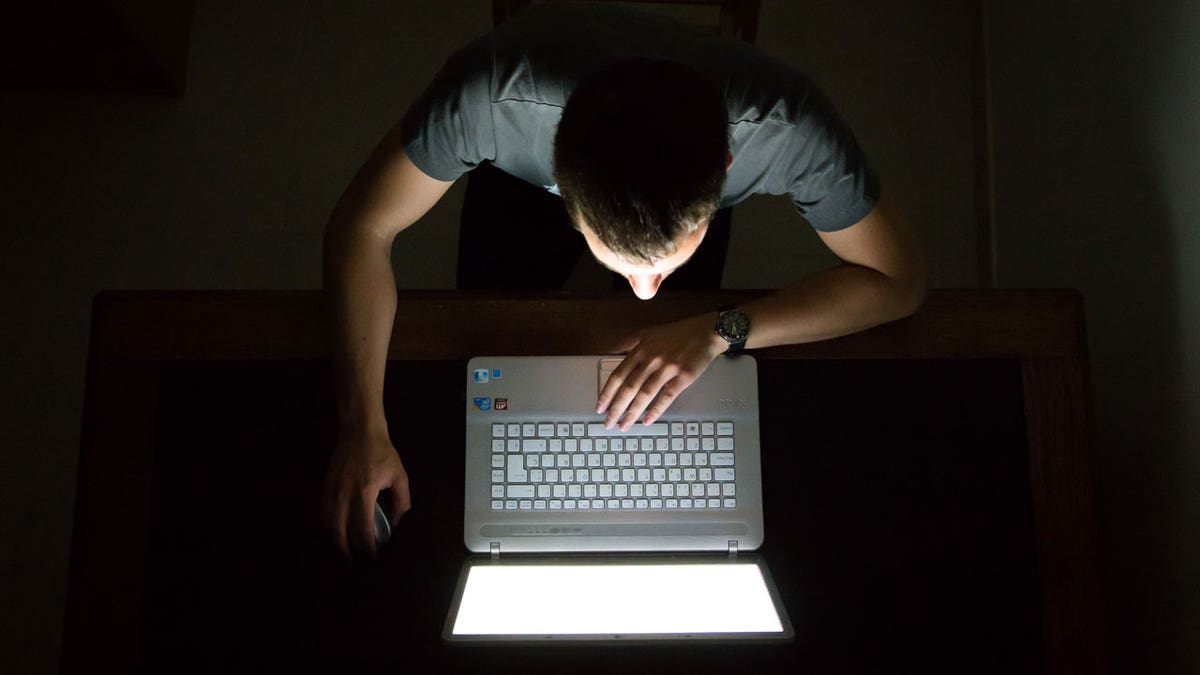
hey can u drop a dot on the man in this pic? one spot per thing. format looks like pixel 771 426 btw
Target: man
pixel 645 128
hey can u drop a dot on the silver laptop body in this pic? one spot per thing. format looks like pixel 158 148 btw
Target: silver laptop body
pixel 563 390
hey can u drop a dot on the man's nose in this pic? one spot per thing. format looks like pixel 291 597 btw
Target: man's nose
pixel 645 285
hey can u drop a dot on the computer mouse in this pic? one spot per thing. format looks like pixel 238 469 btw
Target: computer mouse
pixel 383 528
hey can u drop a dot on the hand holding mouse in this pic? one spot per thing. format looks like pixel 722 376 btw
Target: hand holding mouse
pixel 363 464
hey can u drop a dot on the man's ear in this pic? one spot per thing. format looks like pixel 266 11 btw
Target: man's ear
pixel 728 161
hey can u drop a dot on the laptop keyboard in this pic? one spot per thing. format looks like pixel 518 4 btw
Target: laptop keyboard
pixel 547 465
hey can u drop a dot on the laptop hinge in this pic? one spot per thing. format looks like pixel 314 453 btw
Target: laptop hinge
pixel 495 549
pixel 733 548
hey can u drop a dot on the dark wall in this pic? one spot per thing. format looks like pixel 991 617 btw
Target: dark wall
pixel 1097 124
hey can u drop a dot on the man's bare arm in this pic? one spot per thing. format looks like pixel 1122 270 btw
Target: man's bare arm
pixel 883 278
pixel 387 195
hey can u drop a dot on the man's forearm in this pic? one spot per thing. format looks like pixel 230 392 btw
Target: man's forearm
pixel 838 301
pixel 360 289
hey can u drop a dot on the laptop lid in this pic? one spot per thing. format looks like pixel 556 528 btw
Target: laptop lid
pixel 616 599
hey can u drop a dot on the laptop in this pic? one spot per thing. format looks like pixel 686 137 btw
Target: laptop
pixel 646 533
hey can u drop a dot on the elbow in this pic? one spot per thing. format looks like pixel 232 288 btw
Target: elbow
pixel 911 290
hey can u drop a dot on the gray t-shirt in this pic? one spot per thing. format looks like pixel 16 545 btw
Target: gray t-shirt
pixel 500 99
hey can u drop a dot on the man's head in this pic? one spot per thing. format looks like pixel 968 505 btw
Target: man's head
pixel 640 158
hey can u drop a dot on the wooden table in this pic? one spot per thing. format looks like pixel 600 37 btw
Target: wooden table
pixel 145 345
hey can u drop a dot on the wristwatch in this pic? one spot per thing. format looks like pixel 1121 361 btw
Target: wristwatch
pixel 734 328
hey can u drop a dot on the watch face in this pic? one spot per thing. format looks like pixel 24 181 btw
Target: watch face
pixel 734 326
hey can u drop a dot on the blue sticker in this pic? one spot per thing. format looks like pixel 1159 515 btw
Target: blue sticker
pixel 481 375
pixel 495 373
pixel 483 403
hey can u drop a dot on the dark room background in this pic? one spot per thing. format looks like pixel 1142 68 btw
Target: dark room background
pixel 1033 144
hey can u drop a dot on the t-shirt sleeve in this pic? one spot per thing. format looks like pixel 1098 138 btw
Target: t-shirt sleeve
pixel 825 172
pixel 448 130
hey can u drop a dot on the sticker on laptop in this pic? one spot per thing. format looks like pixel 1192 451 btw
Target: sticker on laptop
pixel 481 375
pixel 483 403
pixel 501 404
pixel 495 373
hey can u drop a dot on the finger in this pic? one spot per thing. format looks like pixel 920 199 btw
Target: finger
pixel 645 395
pixel 401 501
pixel 628 344
pixel 362 521
pixel 670 391
pixel 628 390
pixel 615 379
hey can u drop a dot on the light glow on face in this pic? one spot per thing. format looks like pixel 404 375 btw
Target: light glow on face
pixel 616 599
pixel 645 279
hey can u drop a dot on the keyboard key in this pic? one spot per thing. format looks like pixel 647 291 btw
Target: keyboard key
pixel 627 503
pixel 714 503
pixel 563 429
pixel 497 461
pixel 701 459
pixel 693 444
pixel 647 445
pixel 670 459
pixel 724 428
pixel 616 444
pixel 656 503
pixel 535 475
pixel 627 475
pixel 555 504
pixel 676 428
pixel 589 491
pixel 498 476
pixel 722 474
pixel 712 490
pixel 497 430
pixel 661 444
pixel 545 430
pixel 601 444
pixel 518 491
pixel 708 444
pixel 575 491
pixel 730 503
pixel 578 429
pixel 497 505
pixel 606 490
pixel 704 475
pixel 685 503
pixel 571 445
pixel 540 504
pixel 641 504
pixel 685 459
pixel 677 444
pixel 639 460
pixel 692 428
pixel 643 475
pixel 672 503
pixel 568 504
pixel 613 504
pixel 498 445
pixel 659 475
pixel 497 492
pixel 697 490
pixel 524 504
pixel 721 459
pixel 609 460
pixel 555 445
pixel 516 472
pixel 578 461
pixel 667 489
pixel 637 490
pixel 543 491
pixel 656 429
pixel 624 460
pixel 514 430
pixel 532 461
pixel 674 475
pixel 510 505
pixel 563 461
pixel 585 445
pixel 528 430
pixel 593 460
pixel 620 490
pixel 706 428
pixel 727 489
pixel 533 445
pixel 597 504
pixel 514 445
pixel 725 443
pixel 552 476
pixel 656 459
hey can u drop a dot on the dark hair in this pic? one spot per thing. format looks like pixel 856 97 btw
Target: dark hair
pixel 640 155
